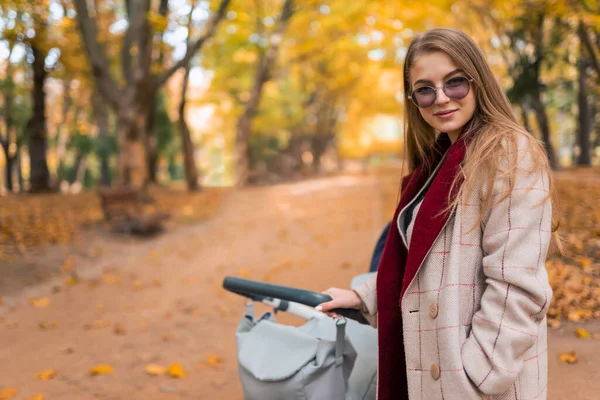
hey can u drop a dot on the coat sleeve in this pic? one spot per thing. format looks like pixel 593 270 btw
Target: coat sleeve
pixel 516 237
pixel 368 296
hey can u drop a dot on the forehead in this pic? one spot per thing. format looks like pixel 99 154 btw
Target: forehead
pixel 431 67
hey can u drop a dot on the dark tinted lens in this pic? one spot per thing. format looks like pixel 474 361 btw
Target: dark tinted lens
pixel 424 96
pixel 457 88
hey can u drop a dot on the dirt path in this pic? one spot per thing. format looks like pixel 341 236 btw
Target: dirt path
pixel 161 302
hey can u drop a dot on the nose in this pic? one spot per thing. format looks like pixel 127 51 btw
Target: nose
pixel 441 97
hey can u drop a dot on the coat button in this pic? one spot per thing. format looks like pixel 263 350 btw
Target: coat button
pixel 435 371
pixel 433 310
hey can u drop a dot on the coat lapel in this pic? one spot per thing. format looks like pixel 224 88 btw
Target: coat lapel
pixel 392 367
pixel 430 220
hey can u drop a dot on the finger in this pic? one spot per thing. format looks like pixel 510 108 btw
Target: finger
pixel 326 306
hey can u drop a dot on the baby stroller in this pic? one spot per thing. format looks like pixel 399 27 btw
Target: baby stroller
pixel 324 359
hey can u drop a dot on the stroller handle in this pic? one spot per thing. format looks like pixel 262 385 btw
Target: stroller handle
pixel 258 290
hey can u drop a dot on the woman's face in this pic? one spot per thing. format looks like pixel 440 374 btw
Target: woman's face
pixel 445 114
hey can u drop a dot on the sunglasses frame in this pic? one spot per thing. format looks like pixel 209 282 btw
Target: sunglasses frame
pixel 435 89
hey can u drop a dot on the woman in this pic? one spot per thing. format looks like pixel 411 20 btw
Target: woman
pixel 461 293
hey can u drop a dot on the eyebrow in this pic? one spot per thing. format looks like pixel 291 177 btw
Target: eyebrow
pixel 456 71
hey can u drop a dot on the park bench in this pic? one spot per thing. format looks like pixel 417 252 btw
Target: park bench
pixel 127 211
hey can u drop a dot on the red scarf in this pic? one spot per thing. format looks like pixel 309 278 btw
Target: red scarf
pixel 398 266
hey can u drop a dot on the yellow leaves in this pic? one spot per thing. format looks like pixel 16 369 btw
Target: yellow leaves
pixel 176 371
pixel 119 330
pixel 98 324
pixel 111 279
pixel 213 360
pixel 153 369
pixel 101 369
pixel 68 265
pixel 36 396
pixel 46 375
pixel 48 325
pixel 569 358
pixel 41 302
pixel 8 393
pixel 158 22
pixel 72 280
pixel 244 273
pixel 582 333
pixel 579 314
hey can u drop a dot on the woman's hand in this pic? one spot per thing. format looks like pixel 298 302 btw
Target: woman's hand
pixel 340 298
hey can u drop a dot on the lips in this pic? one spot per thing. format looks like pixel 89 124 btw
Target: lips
pixel 445 112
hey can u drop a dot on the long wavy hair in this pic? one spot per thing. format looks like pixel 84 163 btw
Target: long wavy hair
pixel 490 134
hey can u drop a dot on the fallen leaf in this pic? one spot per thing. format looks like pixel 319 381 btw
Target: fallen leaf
pixel 48 325
pixel 569 358
pixel 98 324
pixel 137 285
pixel 68 264
pixel 154 370
pixel 574 316
pixel 213 360
pixel 176 371
pixel 36 396
pixel 46 375
pixel 244 273
pixel 582 333
pixel 119 330
pixel 39 302
pixel 554 323
pixel 111 279
pixel 1 301
pixel 72 280
pixel 100 308
pixel 101 369
pixel 8 393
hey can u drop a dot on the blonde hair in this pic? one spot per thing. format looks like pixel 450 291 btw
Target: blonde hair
pixel 491 133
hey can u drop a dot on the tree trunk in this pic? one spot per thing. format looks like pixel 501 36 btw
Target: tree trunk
pixel 584 121
pixel 151 142
pixel 263 71
pixel 80 171
pixel 131 137
pixel 319 144
pixel 36 127
pixel 525 119
pixel 542 118
pixel 8 172
pixel 141 84
pixel 63 132
pixel 101 116
pixel 19 171
pixel 191 172
pixel 76 170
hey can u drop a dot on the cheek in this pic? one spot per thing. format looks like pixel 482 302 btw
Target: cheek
pixel 426 114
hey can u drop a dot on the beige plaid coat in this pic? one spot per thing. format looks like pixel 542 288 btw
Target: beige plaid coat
pixel 473 317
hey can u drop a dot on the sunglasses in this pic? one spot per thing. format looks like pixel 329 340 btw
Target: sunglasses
pixel 454 88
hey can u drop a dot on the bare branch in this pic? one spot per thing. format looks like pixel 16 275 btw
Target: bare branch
pixel 99 63
pixel 587 43
pixel 194 47
pixel 126 46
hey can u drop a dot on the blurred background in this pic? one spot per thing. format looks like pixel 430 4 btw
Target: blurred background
pixel 213 94
pixel 261 139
